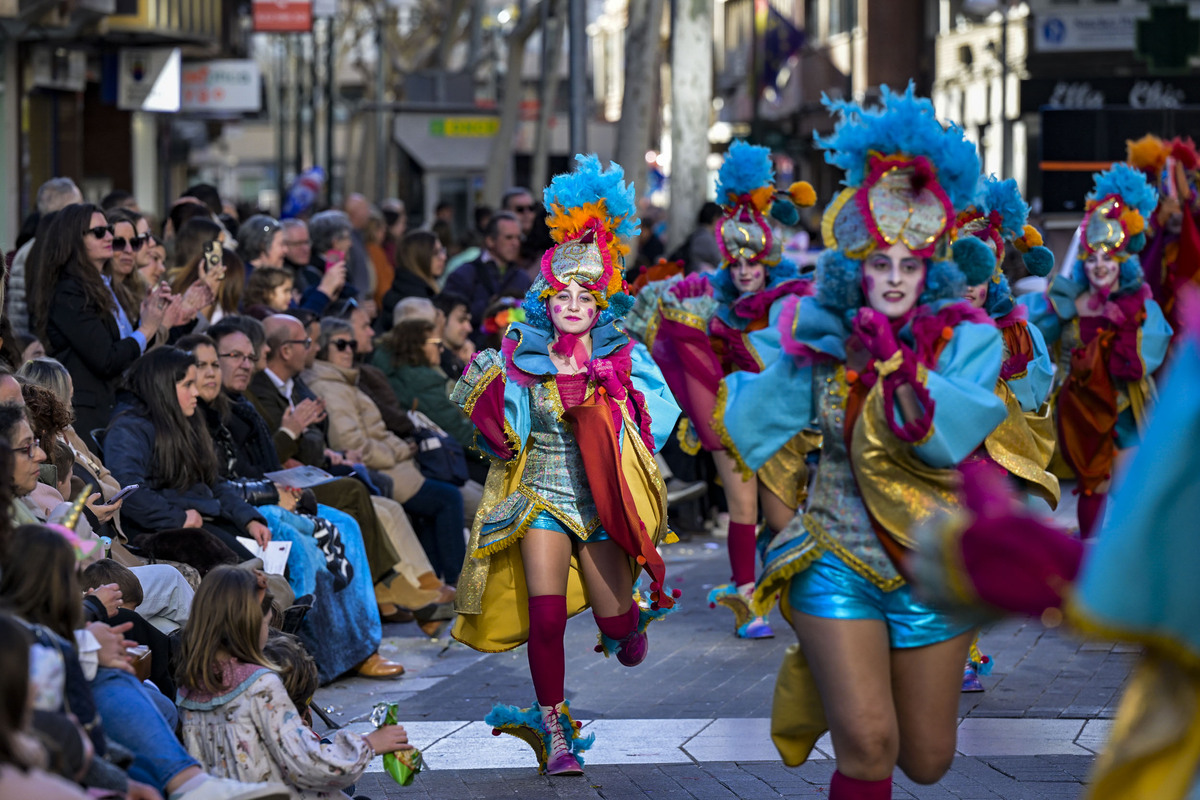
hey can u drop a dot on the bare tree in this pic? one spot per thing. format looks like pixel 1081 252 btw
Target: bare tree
pixel 691 109
pixel 552 44
pixel 510 104
pixel 643 51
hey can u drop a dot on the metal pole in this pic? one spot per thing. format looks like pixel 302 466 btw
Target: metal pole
pixel 279 137
pixel 312 96
pixel 330 95
pixel 296 51
pixel 1005 133
pixel 577 20
pixel 381 150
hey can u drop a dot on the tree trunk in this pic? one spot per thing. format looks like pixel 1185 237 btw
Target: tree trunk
pixel 643 46
pixel 510 105
pixel 552 41
pixel 691 108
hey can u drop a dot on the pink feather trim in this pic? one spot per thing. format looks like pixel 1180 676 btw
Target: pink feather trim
pixel 758 305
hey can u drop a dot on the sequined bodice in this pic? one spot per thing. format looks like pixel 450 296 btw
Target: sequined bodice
pixel 554 467
pixel 834 504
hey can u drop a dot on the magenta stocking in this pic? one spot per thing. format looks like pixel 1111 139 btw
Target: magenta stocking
pixel 547 664
pixel 742 552
pixel 1091 513
pixel 621 625
pixel 843 788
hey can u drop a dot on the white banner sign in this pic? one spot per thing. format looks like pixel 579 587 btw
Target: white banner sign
pixel 1073 31
pixel 228 85
pixel 148 79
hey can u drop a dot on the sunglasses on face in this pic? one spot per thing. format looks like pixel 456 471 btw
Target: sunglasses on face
pixel 390 217
pixel 135 243
pixel 100 231
pixel 343 345
pixel 523 209
pixel 306 342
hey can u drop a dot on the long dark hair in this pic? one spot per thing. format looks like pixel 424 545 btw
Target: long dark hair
pixel 183 449
pixel 414 253
pixel 65 255
pixel 125 287
pixel 14 689
pixel 187 254
pixel 38 580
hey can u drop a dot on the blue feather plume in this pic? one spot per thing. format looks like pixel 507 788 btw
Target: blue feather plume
pixel 1130 184
pixel 746 167
pixel 905 124
pixel 589 183
pixel 993 194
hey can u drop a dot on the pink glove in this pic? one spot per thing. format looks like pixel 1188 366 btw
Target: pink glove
pixel 605 374
pixel 694 285
pixel 875 332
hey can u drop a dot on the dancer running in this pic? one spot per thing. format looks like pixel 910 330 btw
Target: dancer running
pixel 1024 442
pixel 571 412
pixel 898 373
pixel 701 328
pixel 1113 337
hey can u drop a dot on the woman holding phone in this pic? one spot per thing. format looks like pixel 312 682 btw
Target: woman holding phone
pixel 324 280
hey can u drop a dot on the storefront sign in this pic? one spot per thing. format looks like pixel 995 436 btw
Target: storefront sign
pixel 148 79
pixel 1143 93
pixel 1085 29
pixel 464 127
pixel 222 86
pixel 283 16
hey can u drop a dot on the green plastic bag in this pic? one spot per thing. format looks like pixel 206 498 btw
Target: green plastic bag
pixel 404 765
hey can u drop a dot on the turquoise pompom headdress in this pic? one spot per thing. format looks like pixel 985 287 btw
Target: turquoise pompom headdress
pixel 1116 212
pixel 906 174
pixel 996 217
pixel 746 190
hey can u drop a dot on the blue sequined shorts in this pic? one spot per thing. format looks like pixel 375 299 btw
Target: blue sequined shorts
pixel 829 588
pixel 548 521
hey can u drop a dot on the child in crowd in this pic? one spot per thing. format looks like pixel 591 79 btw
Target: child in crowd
pixel 105 572
pixel 297 670
pixel 237 716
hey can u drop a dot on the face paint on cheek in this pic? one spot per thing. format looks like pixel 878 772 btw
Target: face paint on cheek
pixel 557 309
pixel 591 313
pixel 868 283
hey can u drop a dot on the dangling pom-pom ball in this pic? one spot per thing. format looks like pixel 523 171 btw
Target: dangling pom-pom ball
pixel 975 259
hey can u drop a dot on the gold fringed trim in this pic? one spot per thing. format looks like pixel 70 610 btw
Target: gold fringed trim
pixel 827 542
pixel 891 365
pixel 777 581
pixel 687 444
pixel 923 379
pixel 1159 643
pixel 517 534
pixel 485 380
pixel 651 332
pixel 718 426
pixel 675 314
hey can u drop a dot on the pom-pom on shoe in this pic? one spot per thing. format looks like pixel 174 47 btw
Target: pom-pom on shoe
pixel 757 628
pixel 533 727
pixel 633 649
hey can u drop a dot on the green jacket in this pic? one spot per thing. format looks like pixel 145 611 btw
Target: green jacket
pixel 424 388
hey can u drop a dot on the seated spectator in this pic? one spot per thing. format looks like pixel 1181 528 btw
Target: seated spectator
pixel 420 263
pixel 270 289
pixel 323 279
pixel 75 312
pixel 296 669
pixel 237 717
pixel 495 273
pixel 456 332
pixel 31 347
pixel 158 442
pixel 42 589
pixel 355 424
pixel 190 268
pixel 332 568
pixel 121 270
pixel 260 243
pixel 382 265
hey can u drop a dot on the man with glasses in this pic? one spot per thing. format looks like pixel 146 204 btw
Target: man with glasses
pixel 495 273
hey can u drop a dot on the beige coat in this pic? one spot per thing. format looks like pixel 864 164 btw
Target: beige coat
pixel 356 424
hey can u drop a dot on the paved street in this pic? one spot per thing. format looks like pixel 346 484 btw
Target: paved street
pixel 692 720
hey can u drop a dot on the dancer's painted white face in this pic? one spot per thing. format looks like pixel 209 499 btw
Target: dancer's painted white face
pixel 573 310
pixel 1102 271
pixel 976 295
pixel 748 277
pixel 893 280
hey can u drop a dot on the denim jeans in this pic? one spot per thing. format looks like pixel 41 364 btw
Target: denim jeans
pixel 441 503
pixel 132 718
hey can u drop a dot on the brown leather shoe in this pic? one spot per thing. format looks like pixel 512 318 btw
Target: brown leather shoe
pixel 391 613
pixel 376 666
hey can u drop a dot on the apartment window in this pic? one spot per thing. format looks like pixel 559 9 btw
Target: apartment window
pixel 843 16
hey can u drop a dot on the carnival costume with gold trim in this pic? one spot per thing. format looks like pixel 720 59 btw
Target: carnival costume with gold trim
pixel 1105 363
pixel 879 473
pixel 572 452
pixel 1171 260
pixel 1135 583
pixel 1024 443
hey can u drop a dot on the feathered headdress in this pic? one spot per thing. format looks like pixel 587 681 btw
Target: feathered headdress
pixel 1116 211
pixel 996 217
pixel 905 172
pixel 1173 167
pixel 746 190
pixel 590 212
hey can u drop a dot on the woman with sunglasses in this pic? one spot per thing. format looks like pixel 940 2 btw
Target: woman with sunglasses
pixel 74 310
pixel 127 246
pixel 355 423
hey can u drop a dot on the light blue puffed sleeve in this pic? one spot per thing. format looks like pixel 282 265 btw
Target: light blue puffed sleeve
pixel 966 408
pixel 766 341
pixel 1156 337
pixel 1043 316
pixel 1033 387
pixel 646 377
pixel 763 411
pixel 478 392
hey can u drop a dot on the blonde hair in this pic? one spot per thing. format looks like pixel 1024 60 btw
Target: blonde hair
pixel 225 620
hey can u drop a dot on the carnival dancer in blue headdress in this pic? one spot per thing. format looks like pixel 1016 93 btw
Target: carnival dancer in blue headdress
pixel 898 374
pixel 1023 443
pixel 1112 336
pixel 571 412
pixel 703 327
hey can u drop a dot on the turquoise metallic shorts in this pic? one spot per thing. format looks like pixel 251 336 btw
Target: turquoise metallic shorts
pixel 830 589
pixel 548 521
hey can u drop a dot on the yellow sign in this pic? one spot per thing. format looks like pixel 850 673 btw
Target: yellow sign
pixel 464 127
